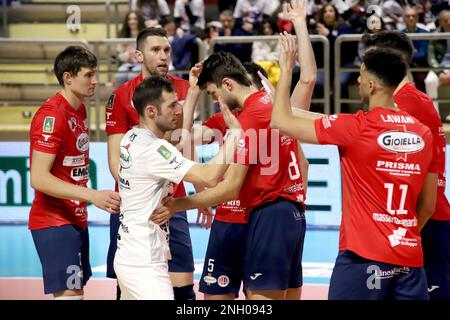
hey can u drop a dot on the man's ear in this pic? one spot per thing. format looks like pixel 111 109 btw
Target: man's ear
pixel 227 83
pixel 139 56
pixel 151 111
pixel 372 86
pixel 67 78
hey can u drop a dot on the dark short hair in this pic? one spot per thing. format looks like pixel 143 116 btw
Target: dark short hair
pixel 221 65
pixel 149 91
pixel 387 65
pixel 252 69
pixel 149 32
pixel 394 40
pixel 71 60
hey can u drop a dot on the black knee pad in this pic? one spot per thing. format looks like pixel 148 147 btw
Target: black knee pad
pixel 184 293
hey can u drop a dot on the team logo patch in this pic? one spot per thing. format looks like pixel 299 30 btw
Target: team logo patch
pixel 209 279
pixel 401 142
pixel 162 150
pixel 125 158
pixel 223 281
pixel 83 142
pixel 49 124
pixel 110 103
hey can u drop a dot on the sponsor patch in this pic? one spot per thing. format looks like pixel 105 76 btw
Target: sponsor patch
pixel 209 279
pixel 73 161
pixel 83 142
pixel 49 124
pixel 401 142
pixel 80 173
pixel 223 281
pixel 162 150
pixel 110 103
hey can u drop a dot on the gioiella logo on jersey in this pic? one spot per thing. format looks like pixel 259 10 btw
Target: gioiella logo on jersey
pixel 401 142
pixel 15 186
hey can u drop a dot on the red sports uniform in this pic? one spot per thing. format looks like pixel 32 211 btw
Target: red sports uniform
pixel 272 173
pixel 385 156
pixel 419 105
pixel 59 129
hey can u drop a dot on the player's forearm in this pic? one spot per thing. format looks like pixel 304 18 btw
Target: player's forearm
pixel 217 166
pixel 47 183
pixel 423 217
pixel 224 191
pixel 302 94
pixel 189 105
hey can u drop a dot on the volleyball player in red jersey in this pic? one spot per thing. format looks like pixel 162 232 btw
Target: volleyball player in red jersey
pixel 59 158
pixel 388 163
pixel 436 232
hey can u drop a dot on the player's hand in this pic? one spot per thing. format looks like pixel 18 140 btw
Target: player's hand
pixel 268 87
pixel 288 52
pixel 230 120
pixel 295 11
pixel 163 213
pixel 194 73
pixel 204 217
pixel 106 200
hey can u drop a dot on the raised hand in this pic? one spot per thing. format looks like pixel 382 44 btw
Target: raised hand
pixel 295 11
pixel 288 52
pixel 268 87
pixel 194 73
pixel 228 116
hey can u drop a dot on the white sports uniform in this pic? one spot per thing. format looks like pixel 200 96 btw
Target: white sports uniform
pixel 149 167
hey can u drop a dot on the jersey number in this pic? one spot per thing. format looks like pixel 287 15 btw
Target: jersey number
pixel 390 192
pixel 210 265
pixel 294 172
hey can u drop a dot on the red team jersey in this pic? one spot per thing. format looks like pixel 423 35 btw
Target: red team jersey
pixel 420 106
pixel 121 116
pixel 273 171
pixel 230 211
pixel 59 129
pixel 385 156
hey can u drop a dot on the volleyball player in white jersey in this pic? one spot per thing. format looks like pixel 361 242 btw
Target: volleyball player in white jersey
pixel 149 168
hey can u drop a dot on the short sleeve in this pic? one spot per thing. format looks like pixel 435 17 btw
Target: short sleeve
pixel 216 122
pixel 166 162
pixel 115 115
pixel 338 129
pixel 47 130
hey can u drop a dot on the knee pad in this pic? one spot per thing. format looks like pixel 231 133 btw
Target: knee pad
pixel 184 293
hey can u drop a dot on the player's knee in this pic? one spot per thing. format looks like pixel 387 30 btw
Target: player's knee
pixel 184 293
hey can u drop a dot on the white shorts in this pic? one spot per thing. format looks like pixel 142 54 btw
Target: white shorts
pixel 144 283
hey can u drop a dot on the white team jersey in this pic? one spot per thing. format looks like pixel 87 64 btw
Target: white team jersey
pixel 149 167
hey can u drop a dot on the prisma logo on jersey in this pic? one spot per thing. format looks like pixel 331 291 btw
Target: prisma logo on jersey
pixel 401 142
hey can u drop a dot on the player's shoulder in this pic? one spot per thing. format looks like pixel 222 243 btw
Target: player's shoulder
pixel 53 106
